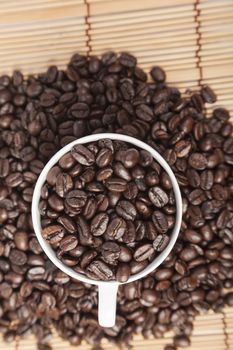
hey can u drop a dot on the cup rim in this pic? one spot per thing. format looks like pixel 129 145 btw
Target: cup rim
pixel 36 217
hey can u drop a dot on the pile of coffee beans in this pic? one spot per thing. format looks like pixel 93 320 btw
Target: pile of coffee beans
pixel 39 115
pixel 107 209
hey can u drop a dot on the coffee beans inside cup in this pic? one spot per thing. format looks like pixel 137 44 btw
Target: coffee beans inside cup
pixel 107 212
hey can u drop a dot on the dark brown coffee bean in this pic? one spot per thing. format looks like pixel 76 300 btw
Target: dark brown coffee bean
pixel 125 254
pixel 68 243
pixel 4 167
pixel 208 94
pixel 160 221
pixel 53 233
pixel 76 199
pixel 83 155
pixel 121 171
pixel 104 174
pixel 64 184
pixel 14 179
pixel 116 228
pixel 158 74
pixel 21 240
pixel 17 257
pixel 198 161
pixel 126 210
pixel 116 184
pixel 100 270
pixel 123 273
pixel 104 157
pixel 56 203
pixel 136 266
pixel 144 252
pixel 67 223
pixel 110 252
pixel 160 242
pixel 183 148
pixel 131 158
pixel 158 197
pixel 99 224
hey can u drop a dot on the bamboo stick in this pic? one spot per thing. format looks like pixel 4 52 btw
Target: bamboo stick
pixel 12 5
pixel 156 20
pixel 189 34
pixel 148 47
pixel 45 14
pixel 160 27
pixel 130 12
pixel 136 5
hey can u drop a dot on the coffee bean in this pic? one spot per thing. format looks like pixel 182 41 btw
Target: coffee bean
pixel 55 203
pixel 208 94
pixel 123 273
pixel 100 270
pixel 121 171
pixel 183 148
pixel 116 184
pixel 160 221
pixel 126 210
pixel 76 199
pixel 68 243
pixel 158 197
pixel 99 224
pixel 53 234
pixel 144 252
pixel 64 184
pixel 160 242
pixel 116 228
pixel 104 157
pixel 198 161
pixel 110 252
pixel 131 158
pixel 82 155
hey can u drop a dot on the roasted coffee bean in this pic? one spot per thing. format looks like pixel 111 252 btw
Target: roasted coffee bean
pixel 121 171
pixel 53 234
pixel 160 221
pixel 126 210
pixel 198 161
pixel 68 243
pixel 116 228
pixel 110 252
pixel 99 224
pixel 104 157
pixel 131 158
pixel 76 199
pixel 160 243
pixel 99 270
pixel 144 252
pixel 123 273
pixel 83 155
pixel 115 184
pixel 158 196
pixel 64 184
pixel 17 257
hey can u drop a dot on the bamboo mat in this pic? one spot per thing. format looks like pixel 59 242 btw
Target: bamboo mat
pixel 191 39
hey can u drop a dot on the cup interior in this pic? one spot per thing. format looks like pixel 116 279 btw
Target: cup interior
pixel 36 218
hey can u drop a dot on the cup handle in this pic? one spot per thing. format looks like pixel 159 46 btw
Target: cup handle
pixel 107 304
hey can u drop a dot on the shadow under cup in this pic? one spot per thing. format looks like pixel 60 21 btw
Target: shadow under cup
pixel 107 289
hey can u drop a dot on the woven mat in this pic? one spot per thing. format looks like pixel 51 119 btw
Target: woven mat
pixel 191 39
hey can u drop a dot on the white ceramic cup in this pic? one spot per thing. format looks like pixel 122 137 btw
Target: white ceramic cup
pixel 107 289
